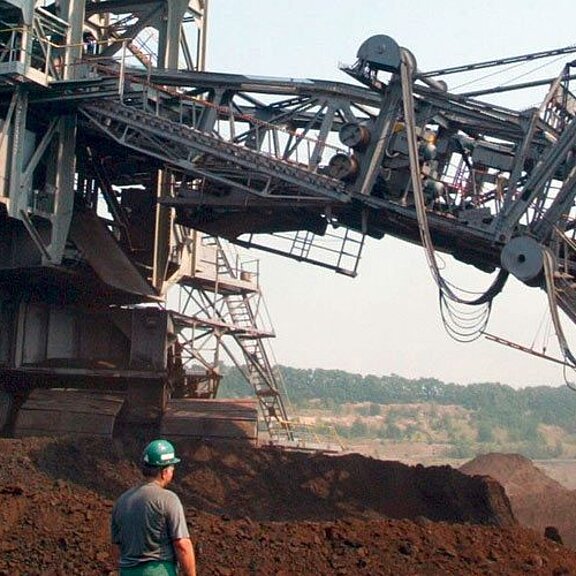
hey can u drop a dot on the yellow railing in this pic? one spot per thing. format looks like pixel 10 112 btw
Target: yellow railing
pixel 41 53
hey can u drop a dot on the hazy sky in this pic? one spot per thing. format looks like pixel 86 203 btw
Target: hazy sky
pixel 387 320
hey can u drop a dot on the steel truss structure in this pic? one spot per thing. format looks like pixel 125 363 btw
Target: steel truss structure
pixel 111 157
pixel 128 240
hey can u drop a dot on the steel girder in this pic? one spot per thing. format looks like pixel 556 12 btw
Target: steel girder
pixel 250 144
pixel 48 44
pixel 119 22
pixel 258 150
pixel 258 155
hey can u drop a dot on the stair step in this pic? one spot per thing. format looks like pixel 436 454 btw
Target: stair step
pixel 268 393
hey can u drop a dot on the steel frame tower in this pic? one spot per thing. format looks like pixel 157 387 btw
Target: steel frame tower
pixel 94 256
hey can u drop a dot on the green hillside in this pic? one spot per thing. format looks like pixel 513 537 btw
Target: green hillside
pixel 539 422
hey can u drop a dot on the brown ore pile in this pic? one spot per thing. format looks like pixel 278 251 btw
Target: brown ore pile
pixel 537 501
pixel 260 511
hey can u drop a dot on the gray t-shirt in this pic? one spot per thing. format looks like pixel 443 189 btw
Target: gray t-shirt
pixel 145 521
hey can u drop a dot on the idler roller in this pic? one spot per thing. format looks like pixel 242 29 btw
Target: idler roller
pixel 343 167
pixel 354 135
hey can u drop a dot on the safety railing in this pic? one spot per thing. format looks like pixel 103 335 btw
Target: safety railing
pixel 336 248
pixel 26 54
pixel 269 139
pixel 308 437
pixel 563 245
pixel 45 52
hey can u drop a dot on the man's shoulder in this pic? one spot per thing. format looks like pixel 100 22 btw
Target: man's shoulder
pixel 128 493
pixel 149 492
pixel 170 496
pixel 157 492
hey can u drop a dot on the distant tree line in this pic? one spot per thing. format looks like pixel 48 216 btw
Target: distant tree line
pixel 495 406
pixel 497 402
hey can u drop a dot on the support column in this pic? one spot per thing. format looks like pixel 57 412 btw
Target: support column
pixel 16 192
pixel 202 37
pixel 74 12
pixel 64 158
pixel 168 52
pixel 163 231
pixel 170 33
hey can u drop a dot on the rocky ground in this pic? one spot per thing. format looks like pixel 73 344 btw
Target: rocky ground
pixel 266 512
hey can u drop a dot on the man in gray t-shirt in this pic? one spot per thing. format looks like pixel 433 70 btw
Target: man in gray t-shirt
pixel 148 523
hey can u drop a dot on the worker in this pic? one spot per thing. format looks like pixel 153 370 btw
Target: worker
pixel 148 526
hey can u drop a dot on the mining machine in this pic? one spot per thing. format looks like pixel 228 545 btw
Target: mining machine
pixel 126 166
pixel 112 314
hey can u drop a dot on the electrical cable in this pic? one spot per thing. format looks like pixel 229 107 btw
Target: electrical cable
pixel 549 264
pixel 450 318
pixel 459 331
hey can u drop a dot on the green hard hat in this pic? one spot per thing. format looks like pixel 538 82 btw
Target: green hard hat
pixel 159 453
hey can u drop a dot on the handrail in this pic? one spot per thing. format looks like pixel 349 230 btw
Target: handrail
pixel 51 63
pixel 222 110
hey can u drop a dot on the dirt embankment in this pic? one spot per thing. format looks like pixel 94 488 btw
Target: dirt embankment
pixel 261 511
pixel 537 500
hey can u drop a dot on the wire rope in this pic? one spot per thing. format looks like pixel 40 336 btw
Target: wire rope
pixel 541 67
pixel 508 69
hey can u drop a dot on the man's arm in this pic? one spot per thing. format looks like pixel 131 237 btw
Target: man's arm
pixel 185 554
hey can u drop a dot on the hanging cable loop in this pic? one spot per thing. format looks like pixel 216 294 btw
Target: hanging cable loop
pixel 453 321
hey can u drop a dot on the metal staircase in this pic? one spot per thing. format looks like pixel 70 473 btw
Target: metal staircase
pixel 260 373
pixel 245 310
pixel 223 308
